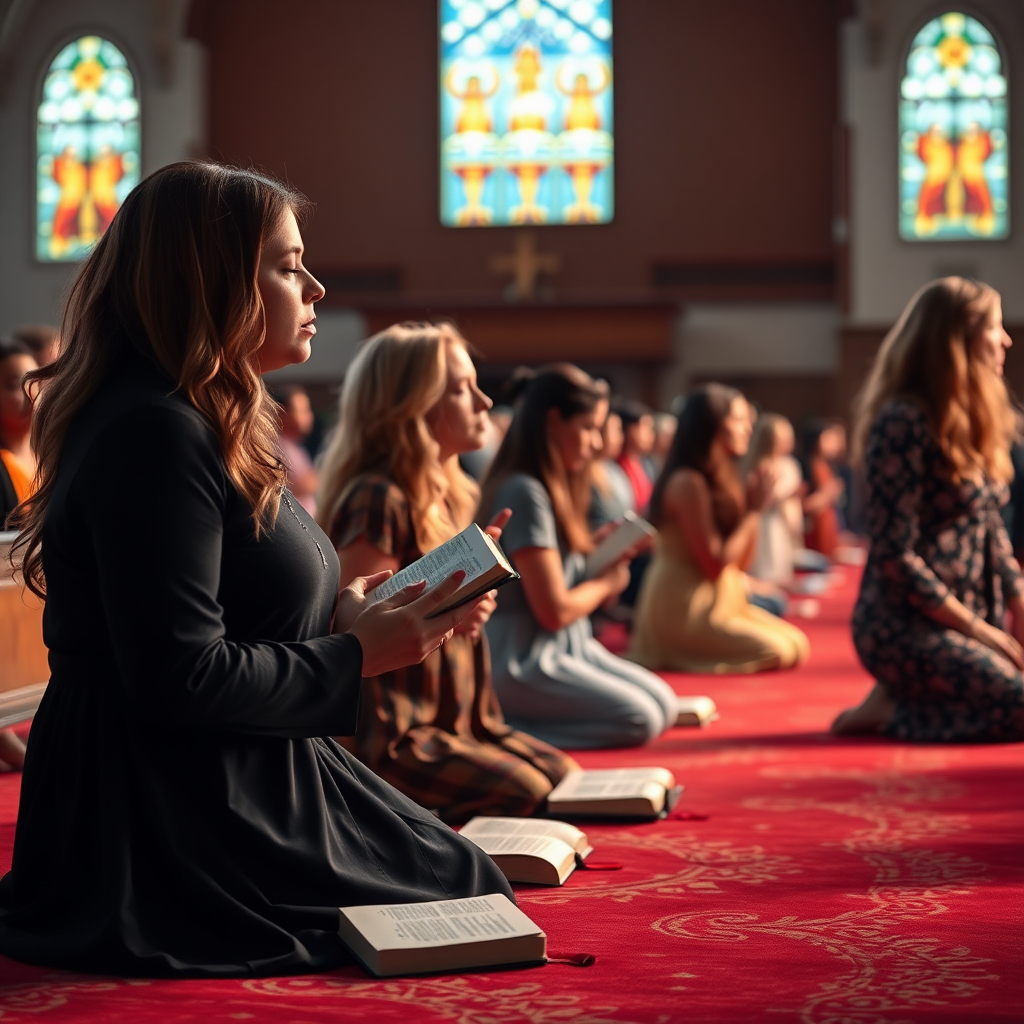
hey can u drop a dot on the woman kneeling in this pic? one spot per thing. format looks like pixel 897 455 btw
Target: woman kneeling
pixel 934 429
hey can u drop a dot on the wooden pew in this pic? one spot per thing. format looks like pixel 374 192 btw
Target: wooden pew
pixel 23 665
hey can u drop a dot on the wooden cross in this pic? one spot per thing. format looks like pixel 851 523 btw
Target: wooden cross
pixel 526 265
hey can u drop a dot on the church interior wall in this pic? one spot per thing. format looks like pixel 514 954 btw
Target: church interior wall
pixel 173 108
pixel 724 120
pixel 886 271
pixel 795 341
pixel 723 123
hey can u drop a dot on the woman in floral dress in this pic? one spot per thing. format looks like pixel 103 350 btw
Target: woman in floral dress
pixel 934 429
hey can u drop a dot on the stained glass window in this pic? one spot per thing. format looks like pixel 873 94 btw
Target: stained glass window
pixel 526 112
pixel 87 146
pixel 954 149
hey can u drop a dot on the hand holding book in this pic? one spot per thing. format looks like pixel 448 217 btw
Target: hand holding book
pixel 619 541
pixel 472 551
pixel 402 621
pixel 404 628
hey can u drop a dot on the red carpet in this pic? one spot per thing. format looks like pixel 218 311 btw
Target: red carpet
pixel 859 881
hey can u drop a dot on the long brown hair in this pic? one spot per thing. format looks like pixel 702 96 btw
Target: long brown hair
pixel 172 280
pixel 699 422
pixel 527 448
pixel 927 357
pixel 396 378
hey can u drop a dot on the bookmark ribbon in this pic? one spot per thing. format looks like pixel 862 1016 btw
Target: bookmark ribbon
pixel 574 960
pixel 599 865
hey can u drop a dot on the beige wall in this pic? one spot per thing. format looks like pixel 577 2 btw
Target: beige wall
pixel 173 125
pixel 886 271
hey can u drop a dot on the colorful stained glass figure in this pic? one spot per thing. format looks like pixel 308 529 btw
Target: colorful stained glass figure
pixel 87 147
pixel 954 145
pixel 526 112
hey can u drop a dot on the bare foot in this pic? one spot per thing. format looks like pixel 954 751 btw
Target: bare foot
pixel 12 749
pixel 869 717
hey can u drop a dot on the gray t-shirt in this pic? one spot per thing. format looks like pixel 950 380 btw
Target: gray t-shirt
pixel 532 526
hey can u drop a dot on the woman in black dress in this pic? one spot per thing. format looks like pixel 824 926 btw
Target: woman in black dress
pixel 934 428
pixel 179 814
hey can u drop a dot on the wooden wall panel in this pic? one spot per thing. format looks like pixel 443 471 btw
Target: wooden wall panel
pixel 22 654
pixel 539 334
pixel 795 396
pixel 724 137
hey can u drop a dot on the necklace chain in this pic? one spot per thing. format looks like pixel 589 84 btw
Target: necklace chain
pixel 291 508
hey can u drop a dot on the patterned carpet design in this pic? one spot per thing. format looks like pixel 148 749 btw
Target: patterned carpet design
pixel 801 879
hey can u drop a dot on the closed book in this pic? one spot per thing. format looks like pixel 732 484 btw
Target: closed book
pixel 533 850
pixel 615 793
pixel 473 551
pixel 442 935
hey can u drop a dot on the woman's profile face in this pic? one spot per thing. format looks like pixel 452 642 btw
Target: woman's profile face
pixel 612 436
pixel 288 291
pixel 15 408
pixel 991 342
pixel 735 430
pixel 785 440
pixel 459 420
pixel 641 435
pixel 577 439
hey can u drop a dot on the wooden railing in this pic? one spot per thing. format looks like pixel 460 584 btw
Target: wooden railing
pixel 23 665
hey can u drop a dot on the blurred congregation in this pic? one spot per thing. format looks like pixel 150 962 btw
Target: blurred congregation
pixel 768 350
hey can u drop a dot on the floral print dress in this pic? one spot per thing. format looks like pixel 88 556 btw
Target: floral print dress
pixel 931 537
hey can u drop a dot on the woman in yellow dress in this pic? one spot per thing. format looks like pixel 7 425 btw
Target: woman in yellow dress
pixel 692 613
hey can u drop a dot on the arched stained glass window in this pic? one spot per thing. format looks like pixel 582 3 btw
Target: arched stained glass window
pixel 954 148
pixel 87 146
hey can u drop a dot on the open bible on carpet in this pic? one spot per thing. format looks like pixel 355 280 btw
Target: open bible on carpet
pixel 473 551
pixel 443 935
pixel 535 850
pixel 615 793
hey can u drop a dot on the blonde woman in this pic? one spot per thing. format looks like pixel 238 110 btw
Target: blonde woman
pixel 934 427
pixel 393 490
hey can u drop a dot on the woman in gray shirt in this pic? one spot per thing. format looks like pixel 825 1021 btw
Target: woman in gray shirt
pixel 552 677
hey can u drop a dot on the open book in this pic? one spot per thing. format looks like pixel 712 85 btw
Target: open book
pixel 695 710
pixel 616 793
pixel 630 530
pixel 533 850
pixel 444 935
pixel 485 565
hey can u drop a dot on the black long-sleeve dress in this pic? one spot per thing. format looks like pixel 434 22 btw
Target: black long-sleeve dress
pixel 931 537
pixel 179 814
